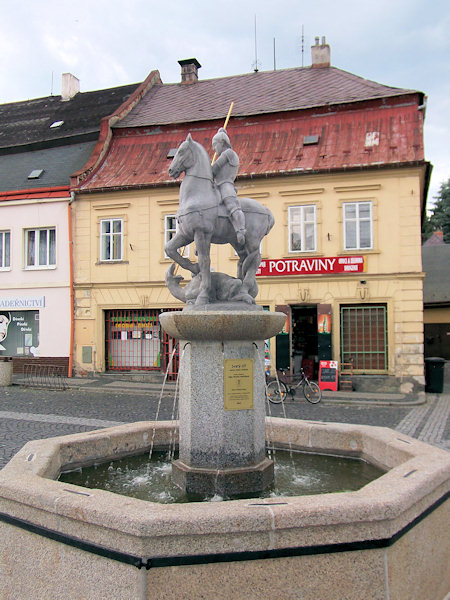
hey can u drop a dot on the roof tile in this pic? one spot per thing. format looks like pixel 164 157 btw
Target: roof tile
pixel 28 122
pixel 268 145
pixel 254 93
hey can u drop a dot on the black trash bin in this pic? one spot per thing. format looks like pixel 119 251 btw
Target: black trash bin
pixel 434 375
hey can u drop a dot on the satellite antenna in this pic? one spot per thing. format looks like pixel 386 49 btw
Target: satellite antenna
pixel 274 56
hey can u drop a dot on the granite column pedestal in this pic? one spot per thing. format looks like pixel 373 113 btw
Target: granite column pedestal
pixel 222 400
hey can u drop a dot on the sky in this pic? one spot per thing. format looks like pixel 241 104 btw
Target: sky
pixel 107 43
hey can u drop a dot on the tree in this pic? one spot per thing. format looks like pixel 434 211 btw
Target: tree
pixel 439 220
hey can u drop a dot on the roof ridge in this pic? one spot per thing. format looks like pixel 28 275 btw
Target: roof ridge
pixel 57 97
pixel 291 69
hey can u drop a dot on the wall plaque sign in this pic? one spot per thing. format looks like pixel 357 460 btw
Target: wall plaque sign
pixel 238 384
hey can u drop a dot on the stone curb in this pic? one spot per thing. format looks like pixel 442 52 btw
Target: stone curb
pixel 143 389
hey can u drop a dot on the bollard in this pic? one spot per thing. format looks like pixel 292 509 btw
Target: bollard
pixel 6 370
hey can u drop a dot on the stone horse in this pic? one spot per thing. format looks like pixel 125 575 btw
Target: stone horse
pixel 204 220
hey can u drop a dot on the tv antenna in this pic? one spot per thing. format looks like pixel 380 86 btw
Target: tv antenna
pixel 256 63
pixel 303 43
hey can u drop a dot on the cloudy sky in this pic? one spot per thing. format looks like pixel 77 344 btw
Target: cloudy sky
pixel 105 43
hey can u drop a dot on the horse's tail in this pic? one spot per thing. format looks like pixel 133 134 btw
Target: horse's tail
pixel 270 221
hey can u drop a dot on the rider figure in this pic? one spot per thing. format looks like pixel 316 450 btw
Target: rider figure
pixel 224 170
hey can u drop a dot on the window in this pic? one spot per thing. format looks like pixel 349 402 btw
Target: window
pixel 302 228
pixel 111 239
pixel 40 248
pixel 364 336
pixel 357 225
pixel 170 229
pixel 5 249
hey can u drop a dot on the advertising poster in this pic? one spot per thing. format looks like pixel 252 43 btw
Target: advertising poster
pixel 19 333
pixel 324 323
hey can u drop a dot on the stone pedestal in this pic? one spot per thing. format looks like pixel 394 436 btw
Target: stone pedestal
pixel 6 371
pixel 222 400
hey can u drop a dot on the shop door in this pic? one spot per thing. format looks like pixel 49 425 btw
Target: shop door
pixel 305 339
pixel 135 342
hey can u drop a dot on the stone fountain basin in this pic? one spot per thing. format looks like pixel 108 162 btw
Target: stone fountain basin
pixel 385 540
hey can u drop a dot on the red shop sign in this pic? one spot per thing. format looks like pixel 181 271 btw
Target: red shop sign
pixel 311 266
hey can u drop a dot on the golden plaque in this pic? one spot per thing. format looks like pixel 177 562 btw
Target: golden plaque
pixel 238 384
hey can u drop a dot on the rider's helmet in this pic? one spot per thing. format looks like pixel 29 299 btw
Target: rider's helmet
pixel 222 136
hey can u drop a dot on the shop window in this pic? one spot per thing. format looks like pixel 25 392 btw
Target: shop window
pixel 40 248
pixel 358 225
pixel 364 341
pixel 170 229
pixel 302 228
pixel 5 250
pixel 111 239
pixel 135 341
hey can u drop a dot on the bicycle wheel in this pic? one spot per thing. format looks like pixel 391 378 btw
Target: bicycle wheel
pixel 276 391
pixel 312 392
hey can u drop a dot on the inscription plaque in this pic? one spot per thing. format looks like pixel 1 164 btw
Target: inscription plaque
pixel 238 384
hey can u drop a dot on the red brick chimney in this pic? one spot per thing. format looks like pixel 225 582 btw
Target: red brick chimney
pixel 320 54
pixel 189 70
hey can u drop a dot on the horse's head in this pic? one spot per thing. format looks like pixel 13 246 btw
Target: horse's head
pixel 183 159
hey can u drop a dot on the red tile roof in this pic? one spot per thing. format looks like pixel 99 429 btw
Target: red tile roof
pixel 369 134
pixel 36 194
pixel 254 93
pixel 437 239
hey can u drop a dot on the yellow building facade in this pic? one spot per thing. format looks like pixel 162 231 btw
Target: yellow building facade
pixel 119 265
pixel 340 162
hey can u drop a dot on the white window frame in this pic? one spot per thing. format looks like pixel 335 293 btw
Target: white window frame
pixel 357 220
pixel 169 232
pixel 304 222
pixel 32 257
pixel 111 237
pixel 5 243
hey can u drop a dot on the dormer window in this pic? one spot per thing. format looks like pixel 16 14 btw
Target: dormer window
pixel 56 124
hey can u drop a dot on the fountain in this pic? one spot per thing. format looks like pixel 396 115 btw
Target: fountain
pixel 384 540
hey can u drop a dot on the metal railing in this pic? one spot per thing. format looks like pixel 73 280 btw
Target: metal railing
pixel 52 377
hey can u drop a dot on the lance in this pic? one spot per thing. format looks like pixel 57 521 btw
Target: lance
pixel 224 127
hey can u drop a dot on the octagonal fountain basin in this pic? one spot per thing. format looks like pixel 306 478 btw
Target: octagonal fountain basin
pixel 386 540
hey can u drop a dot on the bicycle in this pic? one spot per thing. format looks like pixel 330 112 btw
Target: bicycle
pixel 278 389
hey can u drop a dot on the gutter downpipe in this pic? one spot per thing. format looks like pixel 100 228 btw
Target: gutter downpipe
pixel 72 317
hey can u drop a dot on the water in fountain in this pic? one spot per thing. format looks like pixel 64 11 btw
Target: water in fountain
pixel 296 474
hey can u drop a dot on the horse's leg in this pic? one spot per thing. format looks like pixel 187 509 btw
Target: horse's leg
pixel 250 265
pixel 203 246
pixel 242 253
pixel 171 249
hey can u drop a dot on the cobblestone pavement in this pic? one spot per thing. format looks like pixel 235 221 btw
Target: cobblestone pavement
pixel 31 413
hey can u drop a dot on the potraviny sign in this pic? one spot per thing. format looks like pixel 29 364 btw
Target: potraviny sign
pixel 311 266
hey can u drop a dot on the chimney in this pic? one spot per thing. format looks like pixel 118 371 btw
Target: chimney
pixel 320 54
pixel 189 70
pixel 70 86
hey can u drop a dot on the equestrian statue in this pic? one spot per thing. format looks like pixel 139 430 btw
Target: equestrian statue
pixel 211 213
